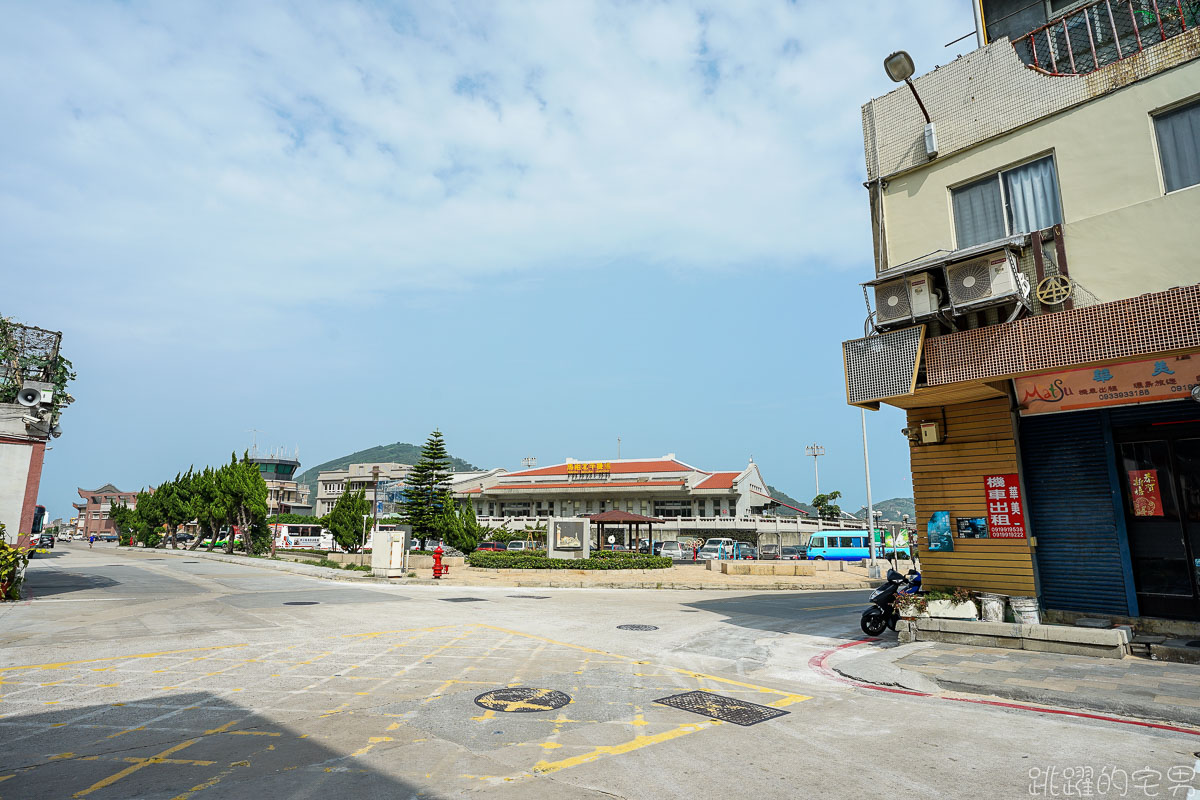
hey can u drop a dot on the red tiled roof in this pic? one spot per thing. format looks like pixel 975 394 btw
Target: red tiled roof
pixel 618 468
pixel 585 484
pixel 719 480
pixel 619 516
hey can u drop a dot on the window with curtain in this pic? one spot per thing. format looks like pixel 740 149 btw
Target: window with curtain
pixel 1019 200
pixel 1178 134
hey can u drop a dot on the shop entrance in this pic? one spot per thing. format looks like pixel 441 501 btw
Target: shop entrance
pixel 1158 467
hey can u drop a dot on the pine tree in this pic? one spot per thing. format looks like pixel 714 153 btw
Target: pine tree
pixel 346 521
pixel 426 486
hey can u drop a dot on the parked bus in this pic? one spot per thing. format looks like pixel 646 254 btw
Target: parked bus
pixel 294 536
pixel 852 546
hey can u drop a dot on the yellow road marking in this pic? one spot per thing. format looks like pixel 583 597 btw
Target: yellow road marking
pixel 636 743
pixel 125 773
pixel 61 664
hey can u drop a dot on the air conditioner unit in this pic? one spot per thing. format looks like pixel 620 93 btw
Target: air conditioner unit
pixel 987 280
pixel 906 299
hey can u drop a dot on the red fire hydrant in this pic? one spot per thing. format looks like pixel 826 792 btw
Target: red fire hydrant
pixel 439 569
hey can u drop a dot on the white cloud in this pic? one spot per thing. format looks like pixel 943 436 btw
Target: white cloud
pixel 168 158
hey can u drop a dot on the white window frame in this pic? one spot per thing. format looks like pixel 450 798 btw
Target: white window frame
pixel 997 174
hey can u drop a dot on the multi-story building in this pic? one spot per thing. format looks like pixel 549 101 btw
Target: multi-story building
pixel 284 495
pixel 332 484
pixel 1037 314
pixel 687 499
pixel 93 511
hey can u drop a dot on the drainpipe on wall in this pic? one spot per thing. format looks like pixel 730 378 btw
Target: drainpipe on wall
pixel 980 26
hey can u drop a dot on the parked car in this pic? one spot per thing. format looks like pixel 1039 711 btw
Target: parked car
pixel 672 550
pixel 492 546
pixel 519 544
pixel 78 537
pixel 746 551
pixel 184 537
pixel 64 536
pixel 45 540
pixel 108 536
pixel 716 548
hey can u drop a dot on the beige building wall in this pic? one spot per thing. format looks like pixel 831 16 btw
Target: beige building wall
pixel 1124 236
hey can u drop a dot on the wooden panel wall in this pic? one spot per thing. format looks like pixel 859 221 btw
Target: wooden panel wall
pixel 979 441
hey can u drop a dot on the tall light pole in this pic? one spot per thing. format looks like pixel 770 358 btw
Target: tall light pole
pixel 870 506
pixel 374 505
pixel 816 451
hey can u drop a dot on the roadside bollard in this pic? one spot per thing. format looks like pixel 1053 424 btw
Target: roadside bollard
pixel 438 569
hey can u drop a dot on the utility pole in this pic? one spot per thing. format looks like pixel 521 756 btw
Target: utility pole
pixel 870 506
pixel 816 451
pixel 618 448
pixel 375 504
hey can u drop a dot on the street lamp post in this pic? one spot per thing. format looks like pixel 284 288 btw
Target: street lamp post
pixel 374 505
pixel 816 451
pixel 870 505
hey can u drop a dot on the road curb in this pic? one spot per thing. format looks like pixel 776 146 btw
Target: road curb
pixel 880 669
pixel 330 573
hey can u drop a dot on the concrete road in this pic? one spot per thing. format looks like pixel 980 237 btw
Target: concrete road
pixel 142 674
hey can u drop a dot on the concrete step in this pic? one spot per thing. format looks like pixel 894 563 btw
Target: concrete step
pixel 1179 651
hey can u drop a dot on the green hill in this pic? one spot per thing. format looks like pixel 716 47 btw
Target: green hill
pixel 893 510
pixel 784 511
pixel 398 453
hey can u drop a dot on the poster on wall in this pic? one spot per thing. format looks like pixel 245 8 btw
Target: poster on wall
pixel 1005 518
pixel 1143 489
pixel 941 540
pixel 972 527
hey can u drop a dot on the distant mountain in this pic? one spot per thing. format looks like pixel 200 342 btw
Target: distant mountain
pixel 893 510
pixel 784 511
pixel 398 453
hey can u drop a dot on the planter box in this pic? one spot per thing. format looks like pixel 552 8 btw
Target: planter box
pixel 948 609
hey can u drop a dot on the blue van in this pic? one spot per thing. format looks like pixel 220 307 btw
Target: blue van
pixel 839 547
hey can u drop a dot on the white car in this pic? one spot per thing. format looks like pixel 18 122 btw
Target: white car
pixel 715 548
pixel 671 550
pixel 518 544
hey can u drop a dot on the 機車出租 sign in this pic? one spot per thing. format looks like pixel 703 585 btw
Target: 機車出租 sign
pixel 1005 518
pixel 1151 381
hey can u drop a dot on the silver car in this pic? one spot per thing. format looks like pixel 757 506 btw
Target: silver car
pixel 671 550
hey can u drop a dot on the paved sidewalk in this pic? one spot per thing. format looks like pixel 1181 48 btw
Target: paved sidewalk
pixel 1157 691
pixel 678 577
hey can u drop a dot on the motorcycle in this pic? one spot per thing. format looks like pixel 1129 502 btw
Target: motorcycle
pixel 883 614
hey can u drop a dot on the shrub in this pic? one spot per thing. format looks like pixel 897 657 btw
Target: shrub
pixel 12 566
pixel 537 559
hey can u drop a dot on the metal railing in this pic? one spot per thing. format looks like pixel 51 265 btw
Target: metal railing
pixel 1103 33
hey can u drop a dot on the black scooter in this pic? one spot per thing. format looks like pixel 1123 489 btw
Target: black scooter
pixel 883 614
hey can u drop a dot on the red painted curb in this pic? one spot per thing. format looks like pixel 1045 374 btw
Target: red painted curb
pixel 817 664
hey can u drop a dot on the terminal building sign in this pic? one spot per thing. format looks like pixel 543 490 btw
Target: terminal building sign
pixel 591 468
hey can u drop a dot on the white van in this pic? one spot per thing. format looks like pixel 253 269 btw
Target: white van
pixel 518 544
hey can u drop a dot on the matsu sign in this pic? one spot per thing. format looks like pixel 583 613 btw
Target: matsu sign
pixel 1005 519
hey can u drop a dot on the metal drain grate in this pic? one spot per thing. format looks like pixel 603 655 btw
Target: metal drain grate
pixel 637 627
pixel 726 709
pixel 302 603
pixel 462 599
pixel 530 596
pixel 522 699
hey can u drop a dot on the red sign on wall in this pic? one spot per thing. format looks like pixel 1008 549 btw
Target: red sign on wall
pixel 1005 518
pixel 1143 486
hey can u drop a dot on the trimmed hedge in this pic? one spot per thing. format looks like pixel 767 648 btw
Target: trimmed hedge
pixel 537 559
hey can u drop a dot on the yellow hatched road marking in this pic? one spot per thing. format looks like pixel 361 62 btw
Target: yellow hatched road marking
pixel 61 664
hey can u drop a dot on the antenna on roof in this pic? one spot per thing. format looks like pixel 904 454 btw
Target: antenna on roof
pixel 254 446
pixel 529 462
pixel 618 448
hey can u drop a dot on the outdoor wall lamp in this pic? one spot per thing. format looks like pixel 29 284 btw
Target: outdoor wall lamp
pixel 899 67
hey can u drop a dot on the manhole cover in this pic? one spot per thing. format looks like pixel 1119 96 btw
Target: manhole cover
pixel 522 699
pixel 463 599
pixel 302 603
pixel 726 709
pixel 637 627
pixel 530 596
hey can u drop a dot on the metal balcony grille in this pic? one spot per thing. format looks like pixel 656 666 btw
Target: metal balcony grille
pixel 1139 326
pixel 882 366
pixel 1103 33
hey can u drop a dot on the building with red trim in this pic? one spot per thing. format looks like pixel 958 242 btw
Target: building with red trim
pixel 687 498
pixel 94 510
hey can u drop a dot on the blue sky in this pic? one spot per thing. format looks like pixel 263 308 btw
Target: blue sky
pixel 537 226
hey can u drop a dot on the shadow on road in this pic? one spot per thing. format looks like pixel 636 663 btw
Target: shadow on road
pixel 46 584
pixel 172 745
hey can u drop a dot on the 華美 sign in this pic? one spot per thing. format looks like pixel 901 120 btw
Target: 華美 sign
pixel 1005 517
pixel 1151 381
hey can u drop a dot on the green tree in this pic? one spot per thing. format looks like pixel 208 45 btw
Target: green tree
pixel 825 506
pixel 345 522
pixel 245 500
pixel 458 527
pixel 209 506
pixel 125 522
pixel 174 500
pixel 149 519
pixel 426 487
